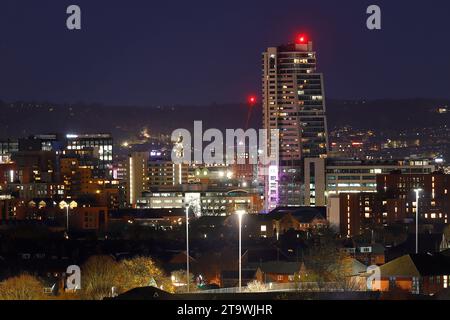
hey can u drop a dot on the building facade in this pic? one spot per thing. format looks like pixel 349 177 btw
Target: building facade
pixel 167 173
pixel 394 202
pixel 326 178
pixel 101 144
pixel 203 203
pixel 293 103
pixel 137 176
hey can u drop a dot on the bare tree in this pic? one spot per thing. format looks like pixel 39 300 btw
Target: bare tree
pixel 256 286
pixel 100 274
pixel 328 266
pixel 22 287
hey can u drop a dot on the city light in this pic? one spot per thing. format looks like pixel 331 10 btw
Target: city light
pixel 146 193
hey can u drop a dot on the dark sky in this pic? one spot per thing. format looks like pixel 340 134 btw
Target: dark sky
pixel 149 52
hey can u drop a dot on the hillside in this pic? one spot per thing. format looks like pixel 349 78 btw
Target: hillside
pixel 24 118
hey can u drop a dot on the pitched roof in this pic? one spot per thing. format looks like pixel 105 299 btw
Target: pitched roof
pixel 264 254
pixel 415 265
pixel 355 267
pixel 234 274
pixel 280 267
pixel 400 267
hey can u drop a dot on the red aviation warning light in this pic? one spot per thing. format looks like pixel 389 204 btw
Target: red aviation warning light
pixel 251 100
pixel 302 39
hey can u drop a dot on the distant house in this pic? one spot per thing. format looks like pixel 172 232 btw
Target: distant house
pixel 178 262
pixel 282 220
pixel 256 255
pixel 283 272
pixel 367 253
pixel 278 271
pixel 230 278
pixel 416 273
pixel 298 218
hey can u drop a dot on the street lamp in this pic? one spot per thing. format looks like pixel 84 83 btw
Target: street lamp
pixel 187 246
pixel 240 213
pixel 64 205
pixel 417 191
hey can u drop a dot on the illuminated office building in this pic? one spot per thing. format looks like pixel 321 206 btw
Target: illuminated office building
pixel 7 148
pixel 326 178
pixel 101 144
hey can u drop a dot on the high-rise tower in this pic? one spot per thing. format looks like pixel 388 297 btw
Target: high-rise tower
pixel 137 176
pixel 294 103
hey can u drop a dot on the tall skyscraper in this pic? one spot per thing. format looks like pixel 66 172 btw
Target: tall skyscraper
pixel 293 103
pixel 137 176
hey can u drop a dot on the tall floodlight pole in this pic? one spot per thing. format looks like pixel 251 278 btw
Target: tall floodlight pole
pixel 187 247
pixel 240 213
pixel 417 191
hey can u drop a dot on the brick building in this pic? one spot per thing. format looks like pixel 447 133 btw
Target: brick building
pixel 395 201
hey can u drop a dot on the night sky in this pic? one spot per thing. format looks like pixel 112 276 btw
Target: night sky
pixel 146 52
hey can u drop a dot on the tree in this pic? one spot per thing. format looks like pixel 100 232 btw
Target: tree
pixel 256 286
pixel 343 274
pixel 327 264
pixel 211 263
pixel 143 272
pixel 102 275
pixel 306 279
pixel 98 277
pixel 394 234
pixel 322 262
pixel 22 287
